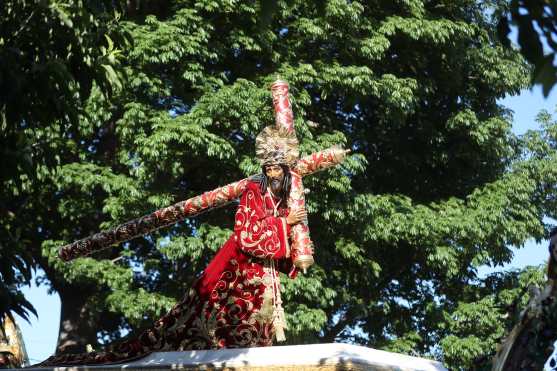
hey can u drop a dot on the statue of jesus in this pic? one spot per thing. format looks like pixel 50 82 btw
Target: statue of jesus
pixel 236 301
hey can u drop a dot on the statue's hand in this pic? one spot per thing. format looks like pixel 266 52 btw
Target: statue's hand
pixel 297 216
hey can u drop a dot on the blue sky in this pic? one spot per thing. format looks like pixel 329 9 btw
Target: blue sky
pixel 41 334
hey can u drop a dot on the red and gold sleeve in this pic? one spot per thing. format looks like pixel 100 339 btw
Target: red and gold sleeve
pixel 257 234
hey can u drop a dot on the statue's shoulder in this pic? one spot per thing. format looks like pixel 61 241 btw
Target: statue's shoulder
pixel 253 185
pixel 252 193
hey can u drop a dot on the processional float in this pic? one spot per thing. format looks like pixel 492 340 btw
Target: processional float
pixel 302 246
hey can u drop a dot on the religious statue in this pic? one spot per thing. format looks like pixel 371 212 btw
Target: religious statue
pixel 236 301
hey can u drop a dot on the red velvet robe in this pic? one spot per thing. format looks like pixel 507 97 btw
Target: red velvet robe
pixel 236 300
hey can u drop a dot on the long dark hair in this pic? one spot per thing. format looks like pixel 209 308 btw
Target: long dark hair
pixel 286 181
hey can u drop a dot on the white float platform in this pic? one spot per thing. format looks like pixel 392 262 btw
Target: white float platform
pixel 322 357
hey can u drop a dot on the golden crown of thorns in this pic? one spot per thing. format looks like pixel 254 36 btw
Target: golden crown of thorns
pixel 276 146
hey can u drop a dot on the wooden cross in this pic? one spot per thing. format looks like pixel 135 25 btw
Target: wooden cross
pixel 302 246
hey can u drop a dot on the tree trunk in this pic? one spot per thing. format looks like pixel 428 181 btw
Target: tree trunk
pixel 77 327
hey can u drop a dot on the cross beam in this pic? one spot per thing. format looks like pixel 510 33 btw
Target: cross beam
pixel 189 208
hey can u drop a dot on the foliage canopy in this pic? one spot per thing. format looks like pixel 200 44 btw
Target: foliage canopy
pixel 438 186
pixel 51 53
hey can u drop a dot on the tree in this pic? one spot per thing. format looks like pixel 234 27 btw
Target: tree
pixel 485 316
pixel 52 52
pixel 493 306
pixel 536 22
pixel 437 186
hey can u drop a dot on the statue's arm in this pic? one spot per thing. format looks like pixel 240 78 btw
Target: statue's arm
pixel 257 234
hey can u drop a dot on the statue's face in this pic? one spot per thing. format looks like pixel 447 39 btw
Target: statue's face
pixel 275 175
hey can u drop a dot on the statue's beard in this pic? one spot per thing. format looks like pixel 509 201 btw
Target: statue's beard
pixel 276 186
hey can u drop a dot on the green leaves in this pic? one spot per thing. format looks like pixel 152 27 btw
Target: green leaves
pixel 476 328
pixel 438 31
pixel 54 55
pixel 15 270
pixel 436 185
pixel 537 28
pixel 61 10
